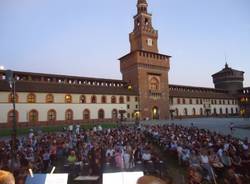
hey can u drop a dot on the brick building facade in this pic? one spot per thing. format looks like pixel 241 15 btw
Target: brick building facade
pixel 144 91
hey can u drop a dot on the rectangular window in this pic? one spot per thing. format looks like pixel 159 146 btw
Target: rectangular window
pixel 128 98
pixel 171 100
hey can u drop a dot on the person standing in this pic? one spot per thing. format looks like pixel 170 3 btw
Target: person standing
pixel 126 158
pixel 231 127
pixel 78 129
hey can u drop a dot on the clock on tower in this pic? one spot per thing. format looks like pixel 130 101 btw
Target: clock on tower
pixel 145 68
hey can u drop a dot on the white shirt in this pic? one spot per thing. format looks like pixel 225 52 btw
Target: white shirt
pixel 110 152
pixel 70 127
pixel 204 159
pixel 99 128
pixel 126 157
pixel 226 147
pixel 245 147
pixel 220 151
pixel 179 149
pixel 146 156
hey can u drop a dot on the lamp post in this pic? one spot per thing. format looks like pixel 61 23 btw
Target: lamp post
pixel 10 79
pixel 244 101
pixel 245 106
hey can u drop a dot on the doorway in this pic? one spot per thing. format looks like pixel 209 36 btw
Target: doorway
pixel 155 113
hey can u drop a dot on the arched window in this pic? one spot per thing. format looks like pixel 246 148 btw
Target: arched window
pixel 154 84
pixel 121 100
pixel 86 114
pixel 114 114
pixel 183 101
pixel 221 112
pixel 68 98
pixel 113 99
pixel 226 110
pixel 201 111
pixel 101 114
pixel 82 99
pixel 33 116
pixel 185 112
pixel 104 99
pixel 52 115
pixel 232 110
pixel 11 100
pixel 69 115
pixel 190 101
pixel 93 99
pixel 194 112
pixel 49 98
pixel 31 98
pixel 215 111
pixel 11 116
pixel 178 101
pixel 177 112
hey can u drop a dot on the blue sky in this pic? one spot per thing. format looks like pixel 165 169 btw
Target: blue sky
pixel 86 37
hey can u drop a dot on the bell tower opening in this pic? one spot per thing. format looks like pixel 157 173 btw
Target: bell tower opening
pixel 143 30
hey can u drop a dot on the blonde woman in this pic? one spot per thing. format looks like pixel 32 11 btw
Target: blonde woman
pixel 6 177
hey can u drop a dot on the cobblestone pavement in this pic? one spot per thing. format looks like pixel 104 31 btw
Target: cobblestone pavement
pixel 220 125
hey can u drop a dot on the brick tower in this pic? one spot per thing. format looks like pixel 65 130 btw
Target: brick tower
pixel 229 79
pixel 145 68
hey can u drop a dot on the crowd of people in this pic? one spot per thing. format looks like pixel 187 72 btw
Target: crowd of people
pixel 208 155
pixel 120 148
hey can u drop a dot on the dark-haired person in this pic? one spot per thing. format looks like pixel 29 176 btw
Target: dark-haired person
pixel 232 177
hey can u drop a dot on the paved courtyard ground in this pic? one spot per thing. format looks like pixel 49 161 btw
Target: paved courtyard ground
pixel 220 125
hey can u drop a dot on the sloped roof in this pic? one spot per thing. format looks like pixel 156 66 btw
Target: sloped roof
pixel 46 87
pixel 227 69
pixel 198 92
